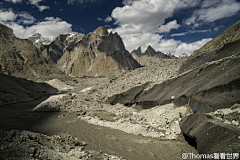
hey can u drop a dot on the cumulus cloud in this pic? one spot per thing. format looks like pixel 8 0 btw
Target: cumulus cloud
pixel 211 11
pixel 49 28
pixel 14 1
pixel 169 26
pixel 144 15
pixel 177 47
pixel 7 16
pixel 189 48
pixel 141 22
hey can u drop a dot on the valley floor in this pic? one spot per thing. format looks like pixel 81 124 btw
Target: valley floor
pixel 117 130
pixel 99 140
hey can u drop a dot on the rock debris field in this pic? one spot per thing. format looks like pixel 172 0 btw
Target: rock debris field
pixel 88 101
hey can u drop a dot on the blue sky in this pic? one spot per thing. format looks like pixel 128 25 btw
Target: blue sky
pixel 174 26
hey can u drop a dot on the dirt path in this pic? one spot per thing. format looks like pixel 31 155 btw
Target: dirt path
pixel 20 116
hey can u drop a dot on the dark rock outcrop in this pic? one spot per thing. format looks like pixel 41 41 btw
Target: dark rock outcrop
pixel 98 54
pixel 211 136
pixel 15 90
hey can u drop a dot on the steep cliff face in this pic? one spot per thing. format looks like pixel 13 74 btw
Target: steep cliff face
pixel 54 51
pixel 98 54
pixel 19 57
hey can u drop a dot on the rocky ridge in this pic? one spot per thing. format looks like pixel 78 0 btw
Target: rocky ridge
pixel 98 54
pixel 54 51
pixel 149 56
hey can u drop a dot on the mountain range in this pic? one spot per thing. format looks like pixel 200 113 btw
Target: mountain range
pixel 149 56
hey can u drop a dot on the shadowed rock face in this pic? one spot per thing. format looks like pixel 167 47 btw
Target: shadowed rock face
pixel 211 136
pixel 15 90
pixel 98 54
pixel 19 57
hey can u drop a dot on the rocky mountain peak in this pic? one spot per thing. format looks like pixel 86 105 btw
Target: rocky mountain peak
pixel 98 54
pixel 137 52
pixel 111 43
pixel 150 51
pixel 102 31
pixel 38 40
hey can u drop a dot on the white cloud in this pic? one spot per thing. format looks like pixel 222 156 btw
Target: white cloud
pixel 139 20
pixel 7 16
pixel 108 19
pixel 190 32
pixel 99 19
pixel 36 3
pixel 179 34
pixel 14 1
pixel 145 15
pixel 50 28
pixel 52 19
pixel 169 26
pixel 42 7
pixel 211 11
pixel 26 18
pixel 189 48
pixel 173 46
